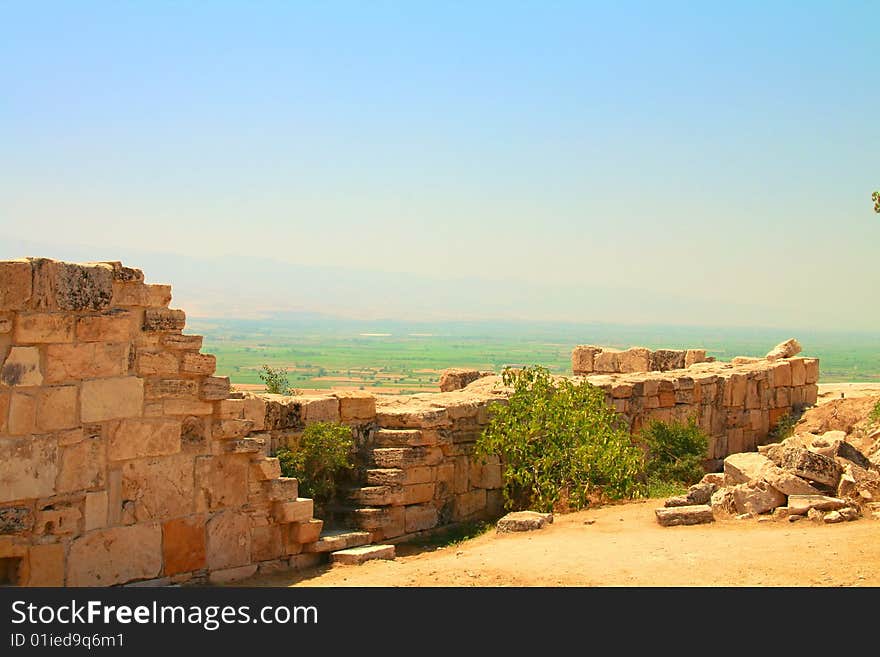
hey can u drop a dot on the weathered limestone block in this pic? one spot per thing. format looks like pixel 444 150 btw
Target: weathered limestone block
pixel 221 482
pixel 266 543
pixel 228 540
pixel 115 556
pixel 420 475
pixel 283 489
pixel 184 544
pixel 96 510
pixel 798 372
pixel 377 495
pixel 307 531
pixel 158 295
pixel 178 341
pixel 215 388
pixel 56 408
pixel 404 438
pixel 606 361
pixel 389 520
pixel 110 399
pixel 410 416
pixel 113 326
pixel 405 457
pixel 82 466
pixel 171 389
pixel 418 493
pixel 667 359
pixel 15 284
pixel 700 493
pixel 692 356
pixel 22 367
pixel 136 438
pixel 582 358
pixel 320 409
pixel 227 575
pixel 788 483
pixel 265 469
pixel 420 517
pixel 356 406
pixel 801 504
pixel 28 467
pixel 16 520
pixel 71 286
pixel 299 510
pixel 35 328
pixel 746 466
pixel 634 359
pixel 385 477
pixel 72 362
pixel 186 407
pixel 787 349
pixel 59 519
pixel 456 378
pixel 684 515
pixel 204 364
pixel 359 555
pixel 467 505
pixel 811 370
pixel 523 521
pixel 160 487
pixel 45 565
pixel 812 467
pixel 723 502
pixel 231 429
pixel 164 320
pixel 757 497
pixel 156 364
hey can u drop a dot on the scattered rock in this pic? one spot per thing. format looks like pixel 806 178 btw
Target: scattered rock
pixel 697 514
pixel 744 467
pixel 523 521
pixel 815 515
pixel 811 466
pixel 787 349
pixel 697 494
pixel 833 517
pixel 757 497
pixel 800 504
pixel 781 513
pixel 716 478
pixel 723 503
pixel 850 513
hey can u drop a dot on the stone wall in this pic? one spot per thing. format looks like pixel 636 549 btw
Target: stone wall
pixel 121 456
pixel 124 459
pixel 590 359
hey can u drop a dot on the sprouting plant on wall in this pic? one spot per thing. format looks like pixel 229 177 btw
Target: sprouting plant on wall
pixel 676 451
pixel 276 381
pixel 876 198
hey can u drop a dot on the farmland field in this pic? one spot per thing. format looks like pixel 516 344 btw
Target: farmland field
pixel 397 356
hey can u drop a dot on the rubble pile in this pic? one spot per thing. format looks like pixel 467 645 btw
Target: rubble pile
pixel 824 478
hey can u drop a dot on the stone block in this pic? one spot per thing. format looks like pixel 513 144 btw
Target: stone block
pixel 136 438
pixel 811 466
pixel 182 342
pixel 72 362
pixel 22 414
pixel 28 467
pixel 158 295
pixel 419 475
pixel 266 543
pixel 411 416
pixel 283 489
pixel 787 349
pixel 186 407
pixel 467 505
pixel 159 488
pixel 15 284
pixel 156 364
pixel 228 540
pixel 359 555
pixel 171 389
pixel 782 374
pixel 198 364
pixel 406 457
pixel 746 466
pixel 523 521
pixel 83 465
pixel 605 362
pixel 420 517
pixel 56 408
pixel 299 510
pixel 757 497
pixel 356 406
pixel 114 326
pixel 71 286
pixel 389 520
pixel 307 531
pixel 418 493
pixel 801 504
pixel 221 482
pixel 96 508
pixel 267 468
pixel 798 372
pixel 45 565
pixel 36 328
pixel 634 359
pixel 164 320
pixel 184 545
pixel 692 356
pixel 811 370
pixel 667 359
pixel 215 388
pixel 110 399
pixel 684 515
pixel 22 367
pixel 115 555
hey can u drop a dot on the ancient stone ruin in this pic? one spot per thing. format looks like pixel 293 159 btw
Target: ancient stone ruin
pixel 123 459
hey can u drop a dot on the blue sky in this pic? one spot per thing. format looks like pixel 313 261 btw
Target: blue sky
pixel 723 152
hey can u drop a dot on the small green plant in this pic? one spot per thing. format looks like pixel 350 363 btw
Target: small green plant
pixel 675 452
pixel 276 381
pixel 784 428
pixel 874 415
pixel 323 453
pixel 659 488
pixel 559 443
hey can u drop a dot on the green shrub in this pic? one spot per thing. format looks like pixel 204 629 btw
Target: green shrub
pixel 784 428
pixel 276 381
pixel 323 453
pixel 675 451
pixel 874 416
pixel 559 444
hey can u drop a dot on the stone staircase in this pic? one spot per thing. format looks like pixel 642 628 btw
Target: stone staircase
pixel 348 547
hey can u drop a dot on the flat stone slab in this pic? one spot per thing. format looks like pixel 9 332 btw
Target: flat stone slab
pixel 334 540
pixel 801 504
pixel 696 514
pixel 358 555
pixel 523 521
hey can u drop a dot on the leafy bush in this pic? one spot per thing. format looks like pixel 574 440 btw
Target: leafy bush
pixel 784 428
pixel 874 416
pixel 323 453
pixel 676 451
pixel 276 381
pixel 559 443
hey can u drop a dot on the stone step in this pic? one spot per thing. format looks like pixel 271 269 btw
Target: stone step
pixel 358 555
pixel 385 477
pixel 338 539
pixel 398 437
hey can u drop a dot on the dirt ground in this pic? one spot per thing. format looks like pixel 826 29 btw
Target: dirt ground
pixel 626 547
pixel 622 545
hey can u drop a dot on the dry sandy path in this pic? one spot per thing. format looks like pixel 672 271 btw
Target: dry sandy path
pixel 626 547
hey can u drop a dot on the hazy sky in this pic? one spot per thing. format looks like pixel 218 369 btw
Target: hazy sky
pixel 702 152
